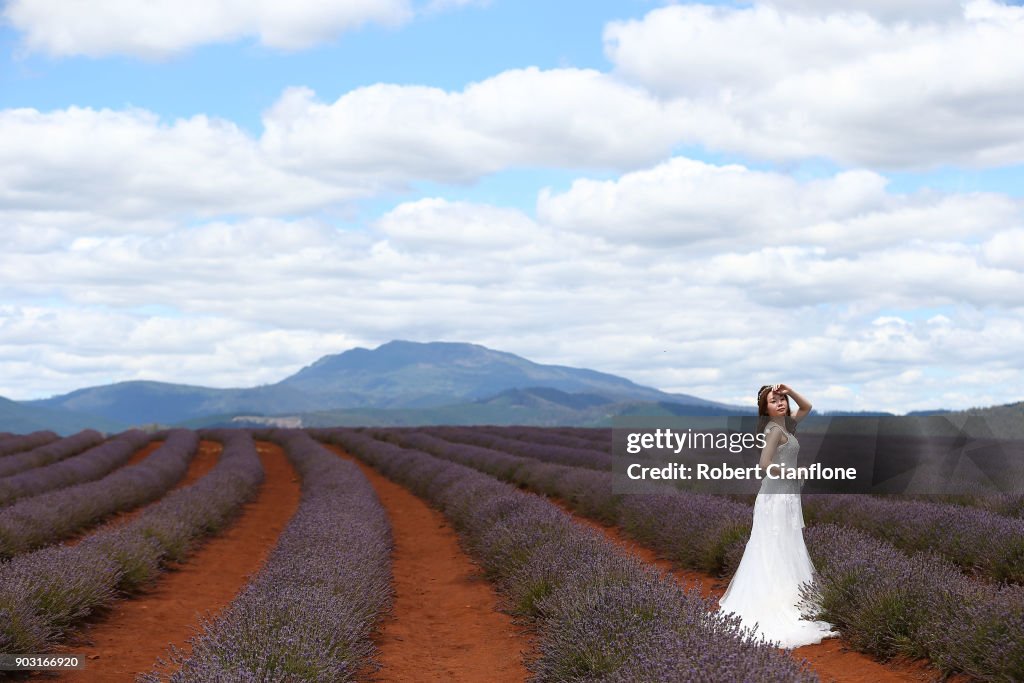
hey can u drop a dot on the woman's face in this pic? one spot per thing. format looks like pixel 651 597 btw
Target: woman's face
pixel 777 404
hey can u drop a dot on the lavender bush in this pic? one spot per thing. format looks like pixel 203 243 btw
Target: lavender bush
pixel 602 614
pixel 563 455
pixel 49 517
pixel 50 452
pixel 887 603
pixel 43 593
pixel 16 443
pixel 972 538
pixel 309 613
pixel 86 466
pixel 599 435
pixel 697 530
pixel 589 491
pixel 1009 504
pixel 597 440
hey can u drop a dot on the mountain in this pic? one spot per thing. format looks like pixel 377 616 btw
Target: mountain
pixel 395 375
pixel 407 383
pixel 403 374
pixel 21 419
pixel 143 402
pixel 538 406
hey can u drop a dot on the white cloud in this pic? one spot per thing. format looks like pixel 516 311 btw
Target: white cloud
pixel 708 207
pixel 434 223
pixel 528 117
pixel 86 171
pixel 125 170
pixel 1005 249
pixel 160 28
pixel 442 5
pixel 888 10
pixel 252 301
pixel 114 346
pixel 847 86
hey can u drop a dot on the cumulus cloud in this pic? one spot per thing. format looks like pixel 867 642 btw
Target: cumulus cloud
pixel 1005 249
pixel 846 85
pixel 522 117
pixel 275 294
pixel 434 223
pixel 684 202
pixel 109 171
pixel 888 10
pixel 160 28
pixel 110 346
pixel 133 169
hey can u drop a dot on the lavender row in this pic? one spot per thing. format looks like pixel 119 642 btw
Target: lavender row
pixel 562 455
pixel 705 532
pixel 978 540
pixel 16 443
pixel 888 603
pixel 49 517
pixel 44 593
pixel 308 615
pixel 597 439
pixel 86 466
pixel 975 539
pixel 50 453
pixel 602 614
pixel 1006 504
pixel 688 540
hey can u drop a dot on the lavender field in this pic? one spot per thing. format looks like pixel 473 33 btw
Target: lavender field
pixel 582 584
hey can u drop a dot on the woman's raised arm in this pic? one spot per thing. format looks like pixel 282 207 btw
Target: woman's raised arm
pixel 803 405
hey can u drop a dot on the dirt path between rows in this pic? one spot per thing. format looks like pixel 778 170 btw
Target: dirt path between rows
pixel 138 631
pixel 830 659
pixel 445 625
pixel 143 453
pixel 205 458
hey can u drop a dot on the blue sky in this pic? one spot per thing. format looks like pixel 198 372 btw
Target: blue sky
pixel 662 191
pixel 446 49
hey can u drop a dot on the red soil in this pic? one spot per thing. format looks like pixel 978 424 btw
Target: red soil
pixel 445 625
pixel 203 462
pixel 830 659
pixel 136 632
pixel 143 453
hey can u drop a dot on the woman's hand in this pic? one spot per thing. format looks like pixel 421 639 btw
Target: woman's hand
pixel 782 389
pixel 803 405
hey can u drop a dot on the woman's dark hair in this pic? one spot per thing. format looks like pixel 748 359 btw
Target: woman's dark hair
pixel 762 411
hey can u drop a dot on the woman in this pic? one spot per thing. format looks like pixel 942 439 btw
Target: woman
pixel 765 589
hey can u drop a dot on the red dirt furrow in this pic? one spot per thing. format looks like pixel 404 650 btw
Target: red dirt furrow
pixel 830 659
pixel 138 631
pixel 143 453
pixel 204 460
pixel 445 625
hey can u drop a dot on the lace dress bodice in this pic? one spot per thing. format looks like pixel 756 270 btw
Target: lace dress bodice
pixel 786 455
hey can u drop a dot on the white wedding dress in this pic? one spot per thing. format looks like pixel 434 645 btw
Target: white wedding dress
pixel 764 592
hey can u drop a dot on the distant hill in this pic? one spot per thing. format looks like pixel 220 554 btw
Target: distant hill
pixel 396 375
pixel 143 402
pixel 1004 422
pixel 405 383
pixel 403 374
pixel 865 413
pixel 539 406
pixel 21 419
